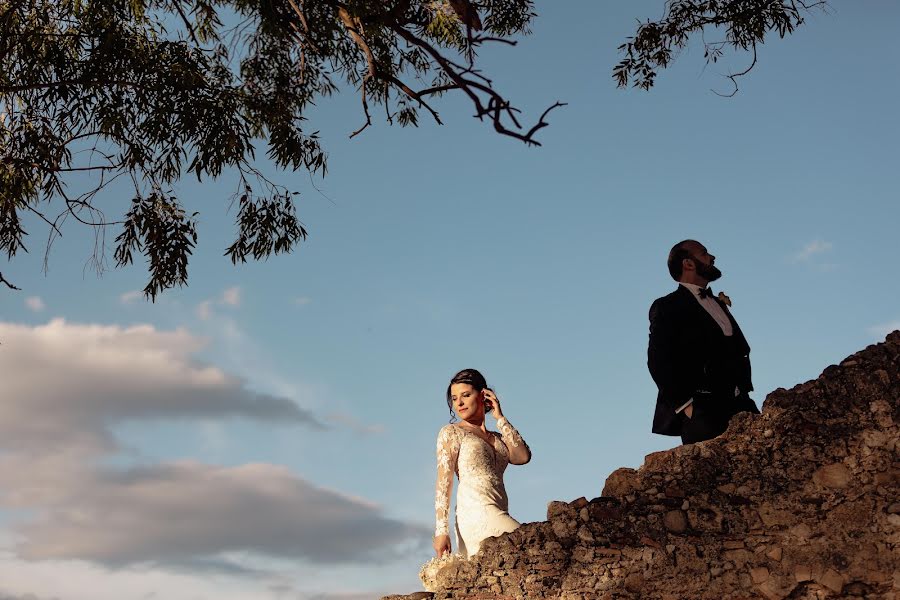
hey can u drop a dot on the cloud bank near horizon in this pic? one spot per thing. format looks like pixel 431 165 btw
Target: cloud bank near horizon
pixel 67 385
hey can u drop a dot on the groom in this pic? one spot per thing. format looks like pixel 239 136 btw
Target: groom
pixel 697 355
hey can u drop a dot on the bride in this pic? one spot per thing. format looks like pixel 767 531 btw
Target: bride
pixel 478 457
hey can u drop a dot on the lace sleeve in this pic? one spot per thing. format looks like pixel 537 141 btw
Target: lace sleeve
pixel 447 454
pixel 519 452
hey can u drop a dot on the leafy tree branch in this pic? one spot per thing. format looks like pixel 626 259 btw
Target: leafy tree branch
pixel 150 91
pixel 154 90
pixel 745 24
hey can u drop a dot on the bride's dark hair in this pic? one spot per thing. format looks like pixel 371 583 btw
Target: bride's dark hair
pixel 474 378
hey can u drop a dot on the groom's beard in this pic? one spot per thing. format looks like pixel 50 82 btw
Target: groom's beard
pixel 707 272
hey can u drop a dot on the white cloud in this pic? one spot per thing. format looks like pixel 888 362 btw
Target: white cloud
pixel 76 580
pixel 231 296
pixel 67 385
pixel 130 297
pixel 812 249
pixel 882 330
pixel 355 424
pixel 241 354
pixel 35 304
pixel 177 513
pixel 204 310
pixel 8 596
pixel 82 378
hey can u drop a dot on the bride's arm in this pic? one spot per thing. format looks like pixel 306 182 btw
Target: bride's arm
pixel 519 452
pixel 447 454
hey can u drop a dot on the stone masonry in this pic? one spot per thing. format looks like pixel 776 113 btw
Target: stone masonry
pixel 801 502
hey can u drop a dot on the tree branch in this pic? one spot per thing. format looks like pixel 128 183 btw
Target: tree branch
pixel 8 284
pixel 746 24
pixel 187 23
pixel 6 89
pixel 356 32
pixel 308 34
pixel 417 96
pixel 44 219
pixel 496 104
pixel 733 77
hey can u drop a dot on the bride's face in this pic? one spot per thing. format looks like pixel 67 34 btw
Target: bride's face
pixel 467 401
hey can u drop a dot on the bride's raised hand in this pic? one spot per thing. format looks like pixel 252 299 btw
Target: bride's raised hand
pixel 441 545
pixel 492 402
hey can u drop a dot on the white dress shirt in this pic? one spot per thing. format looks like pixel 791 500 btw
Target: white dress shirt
pixel 712 307
pixel 715 310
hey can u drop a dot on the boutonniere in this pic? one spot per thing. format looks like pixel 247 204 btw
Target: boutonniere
pixel 724 299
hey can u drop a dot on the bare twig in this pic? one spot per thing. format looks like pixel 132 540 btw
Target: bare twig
pixel 307 39
pixel 495 106
pixel 74 169
pixel 354 28
pixel 733 77
pixel 483 38
pixel 417 96
pixel 6 89
pixel 541 122
pixel 44 219
pixel 365 106
pixel 438 89
pixel 8 284
pixel 187 23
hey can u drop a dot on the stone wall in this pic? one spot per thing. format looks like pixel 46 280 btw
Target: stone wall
pixel 800 502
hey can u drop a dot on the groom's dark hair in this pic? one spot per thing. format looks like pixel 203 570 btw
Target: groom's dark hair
pixel 471 376
pixel 677 254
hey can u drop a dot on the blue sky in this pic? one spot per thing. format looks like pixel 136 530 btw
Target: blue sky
pixel 306 392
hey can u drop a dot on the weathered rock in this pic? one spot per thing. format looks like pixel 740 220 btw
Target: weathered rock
pixel 675 521
pixel 832 580
pixel 801 502
pixel 620 483
pixel 833 476
pixel 555 508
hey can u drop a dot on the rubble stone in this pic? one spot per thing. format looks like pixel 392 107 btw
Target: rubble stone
pixel 801 502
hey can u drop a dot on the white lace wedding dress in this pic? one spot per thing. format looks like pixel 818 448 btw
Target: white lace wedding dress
pixel 481 502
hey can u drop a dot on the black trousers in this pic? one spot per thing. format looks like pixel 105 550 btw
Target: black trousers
pixel 710 417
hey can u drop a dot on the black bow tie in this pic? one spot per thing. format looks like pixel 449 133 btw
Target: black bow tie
pixel 705 292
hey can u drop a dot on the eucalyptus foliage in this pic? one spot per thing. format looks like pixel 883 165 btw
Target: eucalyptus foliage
pixel 152 90
pixel 739 24
pixel 149 91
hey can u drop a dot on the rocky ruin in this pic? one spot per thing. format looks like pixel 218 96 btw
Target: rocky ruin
pixel 801 502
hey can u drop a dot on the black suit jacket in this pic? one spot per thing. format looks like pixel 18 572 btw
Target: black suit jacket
pixel 689 353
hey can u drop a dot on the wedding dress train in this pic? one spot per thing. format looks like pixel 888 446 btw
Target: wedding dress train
pixel 481 501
